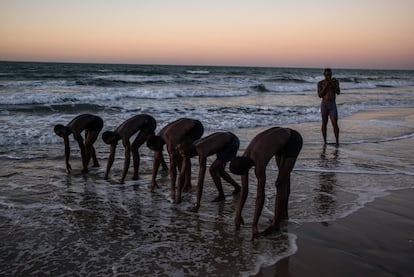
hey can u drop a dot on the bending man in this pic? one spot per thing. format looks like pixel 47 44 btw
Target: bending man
pixel 92 125
pixel 171 135
pixel 225 145
pixel 142 124
pixel 283 143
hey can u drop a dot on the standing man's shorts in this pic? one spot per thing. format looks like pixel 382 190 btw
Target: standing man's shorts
pixel 328 109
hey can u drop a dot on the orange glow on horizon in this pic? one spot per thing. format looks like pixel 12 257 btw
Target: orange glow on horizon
pixel 240 33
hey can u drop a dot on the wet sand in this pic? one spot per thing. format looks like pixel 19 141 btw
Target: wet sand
pixel 377 240
pixel 361 225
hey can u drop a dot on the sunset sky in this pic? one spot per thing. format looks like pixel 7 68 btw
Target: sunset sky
pixel 293 33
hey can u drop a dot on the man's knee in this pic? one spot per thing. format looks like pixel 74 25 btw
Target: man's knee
pixel 134 148
pixel 216 167
pixel 214 171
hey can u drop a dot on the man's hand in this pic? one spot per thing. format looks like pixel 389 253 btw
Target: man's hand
pixel 255 233
pixel 195 208
pixel 238 221
pixel 68 168
pixel 154 186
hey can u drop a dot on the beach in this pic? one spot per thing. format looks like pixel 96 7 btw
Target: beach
pixel 376 240
pixel 349 209
pixel 372 235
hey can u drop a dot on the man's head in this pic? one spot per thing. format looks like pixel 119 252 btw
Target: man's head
pixel 241 165
pixel 155 143
pixel 327 73
pixel 110 137
pixel 186 148
pixel 62 131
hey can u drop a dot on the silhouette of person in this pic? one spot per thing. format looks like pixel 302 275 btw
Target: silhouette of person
pixel 92 125
pixel 171 135
pixel 283 143
pixel 142 124
pixel 225 145
pixel 327 90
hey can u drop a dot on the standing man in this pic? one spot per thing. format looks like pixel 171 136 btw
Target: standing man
pixel 225 145
pixel 92 125
pixel 327 90
pixel 282 143
pixel 171 135
pixel 145 125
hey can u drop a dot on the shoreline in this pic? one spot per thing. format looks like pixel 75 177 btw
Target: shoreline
pixel 371 236
pixel 377 239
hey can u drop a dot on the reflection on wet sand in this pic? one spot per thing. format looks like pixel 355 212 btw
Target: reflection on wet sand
pixel 325 199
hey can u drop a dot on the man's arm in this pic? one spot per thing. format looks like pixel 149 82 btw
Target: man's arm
pixel 181 178
pixel 110 160
pixel 260 198
pixel 155 167
pixel 336 85
pixel 322 89
pixel 67 154
pixel 127 146
pixel 79 139
pixel 173 171
pixel 201 176
pixel 243 196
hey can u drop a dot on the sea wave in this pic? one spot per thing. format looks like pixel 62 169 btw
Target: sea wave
pixel 198 71
pixel 45 108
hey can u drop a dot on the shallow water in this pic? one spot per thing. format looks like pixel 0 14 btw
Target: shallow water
pixel 53 223
pixel 56 224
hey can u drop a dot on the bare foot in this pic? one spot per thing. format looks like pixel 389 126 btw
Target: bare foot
pixel 194 209
pixel 272 229
pixel 236 191
pixel 219 198
pixel 187 188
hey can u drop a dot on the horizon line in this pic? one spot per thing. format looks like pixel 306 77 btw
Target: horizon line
pixel 202 65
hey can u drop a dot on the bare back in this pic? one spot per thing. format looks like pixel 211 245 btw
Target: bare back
pixel 266 145
pixel 135 124
pixel 213 143
pixel 85 122
pixel 173 132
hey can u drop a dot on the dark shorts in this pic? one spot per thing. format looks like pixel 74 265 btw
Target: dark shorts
pixel 150 126
pixel 293 147
pixel 229 151
pixel 147 129
pixel 96 125
pixel 328 109
pixel 196 132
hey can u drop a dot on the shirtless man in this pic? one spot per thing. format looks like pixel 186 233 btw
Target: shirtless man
pixel 283 143
pixel 327 90
pixel 92 125
pixel 171 135
pixel 142 124
pixel 225 145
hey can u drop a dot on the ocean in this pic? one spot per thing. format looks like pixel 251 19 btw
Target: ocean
pixel 56 224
